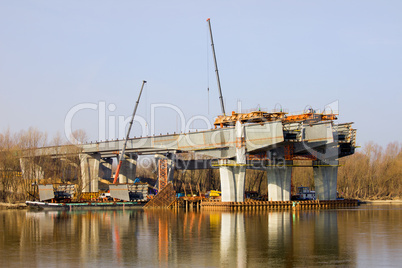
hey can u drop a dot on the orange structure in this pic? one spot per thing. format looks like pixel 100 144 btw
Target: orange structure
pixel 252 117
pixel 162 173
pixel 310 116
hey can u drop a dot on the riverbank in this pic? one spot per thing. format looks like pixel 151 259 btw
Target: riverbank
pixel 379 202
pixel 21 205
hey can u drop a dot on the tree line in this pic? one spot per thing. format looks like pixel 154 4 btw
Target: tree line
pixel 18 149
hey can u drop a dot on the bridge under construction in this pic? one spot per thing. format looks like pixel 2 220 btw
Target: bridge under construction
pixel 268 141
pixel 265 140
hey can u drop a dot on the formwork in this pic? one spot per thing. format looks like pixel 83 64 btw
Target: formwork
pixel 279 205
pixel 164 198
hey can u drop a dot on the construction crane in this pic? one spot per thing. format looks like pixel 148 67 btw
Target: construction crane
pixel 216 68
pixel 128 133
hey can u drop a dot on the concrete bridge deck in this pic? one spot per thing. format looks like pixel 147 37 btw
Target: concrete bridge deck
pixel 221 143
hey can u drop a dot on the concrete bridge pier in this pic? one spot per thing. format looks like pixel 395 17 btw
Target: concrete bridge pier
pixel 171 167
pixel 69 169
pixel 106 168
pixel 279 181
pixel 232 177
pixel 31 170
pixel 325 179
pixel 90 172
pixel 128 168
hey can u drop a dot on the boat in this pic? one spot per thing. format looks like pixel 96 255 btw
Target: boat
pixel 304 193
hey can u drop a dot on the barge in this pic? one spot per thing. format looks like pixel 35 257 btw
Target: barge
pixel 83 205
pixel 64 197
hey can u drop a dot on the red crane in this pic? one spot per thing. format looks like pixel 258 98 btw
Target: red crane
pixel 128 133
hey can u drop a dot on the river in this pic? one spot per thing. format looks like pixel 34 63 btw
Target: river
pixel 366 236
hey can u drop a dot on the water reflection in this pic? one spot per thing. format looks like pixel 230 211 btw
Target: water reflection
pixel 211 238
pixel 233 240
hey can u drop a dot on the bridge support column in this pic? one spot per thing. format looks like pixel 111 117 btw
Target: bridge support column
pixel 128 168
pixel 69 169
pixel 31 170
pixel 325 179
pixel 232 181
pixel 171 167
pixel 106 168
pixel 89 172
pixel 279 182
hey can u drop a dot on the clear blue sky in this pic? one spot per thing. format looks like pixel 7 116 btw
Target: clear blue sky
pixel 55 55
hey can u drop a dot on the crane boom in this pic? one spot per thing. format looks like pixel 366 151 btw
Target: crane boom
pixel 128 133
pixel 216 68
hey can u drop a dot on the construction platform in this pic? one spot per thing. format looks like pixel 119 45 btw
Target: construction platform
pixel 279 205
